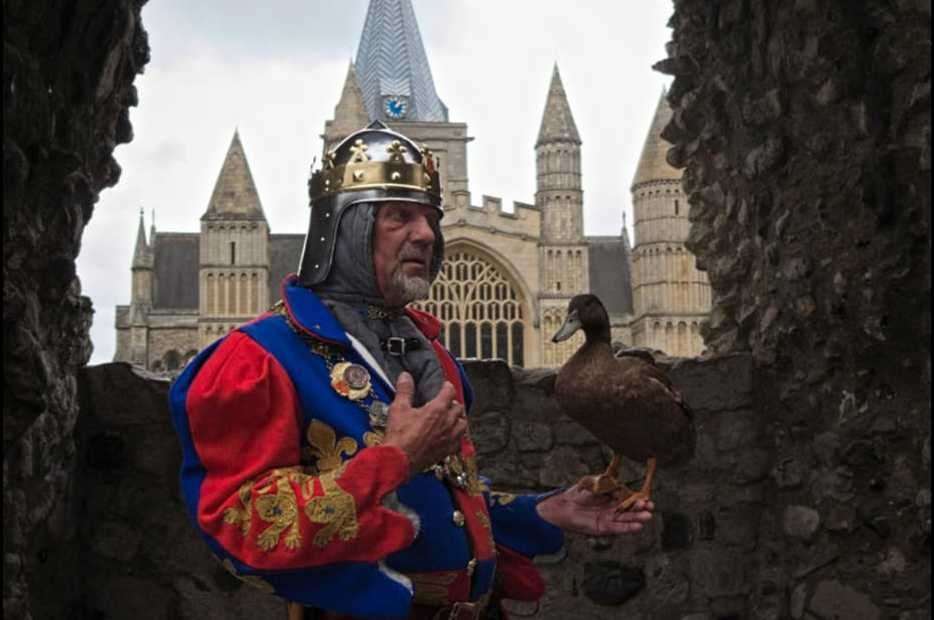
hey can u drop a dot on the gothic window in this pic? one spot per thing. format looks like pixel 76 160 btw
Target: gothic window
pixel 172 360
pixel 233 252
pixel 479 307
pixel 676 207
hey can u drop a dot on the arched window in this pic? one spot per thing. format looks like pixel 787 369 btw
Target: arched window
pixel 480 309
pixel 172 360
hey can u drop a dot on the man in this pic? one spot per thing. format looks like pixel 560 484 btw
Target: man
pixel 326 452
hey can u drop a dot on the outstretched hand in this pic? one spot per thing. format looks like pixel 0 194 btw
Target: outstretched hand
pixel 580 510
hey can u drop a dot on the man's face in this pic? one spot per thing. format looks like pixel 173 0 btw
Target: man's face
pixel 403 240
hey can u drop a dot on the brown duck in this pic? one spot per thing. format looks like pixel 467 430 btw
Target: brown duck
pixel 626 401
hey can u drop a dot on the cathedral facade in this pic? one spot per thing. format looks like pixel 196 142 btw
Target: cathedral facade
pixel 508 274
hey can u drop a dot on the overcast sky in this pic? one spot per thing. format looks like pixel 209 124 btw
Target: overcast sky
pixel 275 70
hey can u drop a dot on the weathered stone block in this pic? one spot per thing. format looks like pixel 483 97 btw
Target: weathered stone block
pixel 833 599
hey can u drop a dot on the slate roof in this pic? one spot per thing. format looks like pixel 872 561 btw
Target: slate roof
pixel 176 270
pixel 610 279
pixel 285 250
pixel 391 60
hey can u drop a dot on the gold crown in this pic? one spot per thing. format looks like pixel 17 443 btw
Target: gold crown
pixel 364 169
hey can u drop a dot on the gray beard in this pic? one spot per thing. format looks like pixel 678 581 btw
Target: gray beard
pixel 409 288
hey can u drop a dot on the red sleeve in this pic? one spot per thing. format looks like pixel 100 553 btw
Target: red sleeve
pixel 256 500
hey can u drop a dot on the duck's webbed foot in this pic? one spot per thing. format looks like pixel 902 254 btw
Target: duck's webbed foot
pixel 645 493
pixel 608 482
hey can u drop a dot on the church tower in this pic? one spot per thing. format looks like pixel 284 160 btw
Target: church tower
pixel 233 277
pixel 670 296
pixel 390 80
pixel 140 298
pixel 563 257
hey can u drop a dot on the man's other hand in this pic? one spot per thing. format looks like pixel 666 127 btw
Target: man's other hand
pixel 578 509
pixel 429 433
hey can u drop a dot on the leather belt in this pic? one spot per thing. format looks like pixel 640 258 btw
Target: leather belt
pixel 460 611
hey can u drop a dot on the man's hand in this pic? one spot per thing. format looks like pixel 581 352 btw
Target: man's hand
pixel 429 433
pixel 580 510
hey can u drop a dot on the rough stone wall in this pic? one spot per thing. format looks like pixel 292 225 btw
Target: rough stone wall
pixel 804 130
pixel 141 558
pixel 68 71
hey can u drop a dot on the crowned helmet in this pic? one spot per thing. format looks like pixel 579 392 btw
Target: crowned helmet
pixel 371 165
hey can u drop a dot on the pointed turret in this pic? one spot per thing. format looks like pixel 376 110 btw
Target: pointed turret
pixel 350 112
pixel 392 67
pixel 557 121
pixel 142 254
pixel 235 195
pixel 652 165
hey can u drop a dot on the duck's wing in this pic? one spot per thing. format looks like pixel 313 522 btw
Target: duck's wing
pixel 653 419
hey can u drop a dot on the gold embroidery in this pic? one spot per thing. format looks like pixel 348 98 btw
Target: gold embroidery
pixel 253 580
pixel 502 498
pixel 281 511
pixel 325 446
pixel 373 438
pixel 484 520
pixel 432 588
pixel 241 516
pixel 473 477
pixel 336 510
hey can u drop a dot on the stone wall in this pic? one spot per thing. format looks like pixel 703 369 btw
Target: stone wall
pixel 68 71
pixel 140 558
pixel 804 131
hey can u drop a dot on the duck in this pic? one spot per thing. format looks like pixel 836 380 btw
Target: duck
pixel 624 399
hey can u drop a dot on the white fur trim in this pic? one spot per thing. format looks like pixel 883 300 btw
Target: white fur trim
pixel 391 501
pixel 396 576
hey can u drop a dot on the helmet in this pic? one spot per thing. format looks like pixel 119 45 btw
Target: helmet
pixel 374 164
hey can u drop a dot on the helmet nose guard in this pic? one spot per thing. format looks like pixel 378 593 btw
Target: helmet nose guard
pixel 374 164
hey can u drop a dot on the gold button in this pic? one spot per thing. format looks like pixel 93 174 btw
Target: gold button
pixel 458 518
pixel 471 566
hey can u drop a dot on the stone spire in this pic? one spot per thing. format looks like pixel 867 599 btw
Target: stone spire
pixel 652 165
pixel 350 112
pixel 557 121
pixel 391 61
pixel 235 195
pixel 142 256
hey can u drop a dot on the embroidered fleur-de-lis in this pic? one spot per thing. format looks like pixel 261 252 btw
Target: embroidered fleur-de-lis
pixel 359 149
pixel 241 516
pixel 336 510
pixel 502 498
pixel 396 151
pixel 325 448
pixel 280 510
pixel 428 159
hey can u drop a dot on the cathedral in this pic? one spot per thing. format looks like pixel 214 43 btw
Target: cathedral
pixel 508 273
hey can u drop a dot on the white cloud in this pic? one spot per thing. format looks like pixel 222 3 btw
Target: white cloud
pixel 277 73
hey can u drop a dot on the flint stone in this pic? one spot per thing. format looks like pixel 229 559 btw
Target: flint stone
pixel 715 384
pixel 833 599
pixel 562 467
pixel 489 432
pixel 798 600
pixel 801 522
pixel 736 431
pixel 611 583
pixel 532 437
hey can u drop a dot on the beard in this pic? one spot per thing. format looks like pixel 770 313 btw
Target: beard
pixel 409 288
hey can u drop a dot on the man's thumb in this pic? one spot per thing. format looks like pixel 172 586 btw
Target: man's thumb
pixel 405 387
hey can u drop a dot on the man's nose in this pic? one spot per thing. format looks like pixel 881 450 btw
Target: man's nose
pixel 422 232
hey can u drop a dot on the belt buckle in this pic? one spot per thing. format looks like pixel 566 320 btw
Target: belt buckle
pixel 465 611
pixel 395 345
